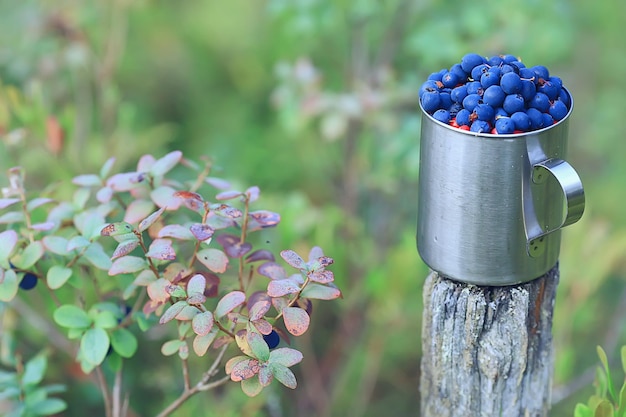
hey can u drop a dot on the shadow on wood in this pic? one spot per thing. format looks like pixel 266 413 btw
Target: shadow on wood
pixel 487 351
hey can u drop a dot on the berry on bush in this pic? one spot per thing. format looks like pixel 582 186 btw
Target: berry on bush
pixel 272 339
pixel 29 281
pixel 497 95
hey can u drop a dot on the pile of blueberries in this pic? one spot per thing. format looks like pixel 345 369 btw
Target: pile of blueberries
pixel 497 95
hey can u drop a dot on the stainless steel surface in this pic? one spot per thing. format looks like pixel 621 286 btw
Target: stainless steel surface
pixel 491 207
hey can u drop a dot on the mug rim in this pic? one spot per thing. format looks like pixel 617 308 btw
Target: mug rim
pixel 498 135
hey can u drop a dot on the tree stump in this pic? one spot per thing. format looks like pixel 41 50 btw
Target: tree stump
pixel 487 351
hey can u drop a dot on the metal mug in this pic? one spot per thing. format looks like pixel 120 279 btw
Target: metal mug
pixel 491 207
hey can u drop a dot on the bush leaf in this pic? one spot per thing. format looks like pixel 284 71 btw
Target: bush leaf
pixel 229 302
pixel 94 346
pixel 72 317
pixel 124 342
pixel 296 320
pixel 214 259
pixel 57 276
pixel 284 375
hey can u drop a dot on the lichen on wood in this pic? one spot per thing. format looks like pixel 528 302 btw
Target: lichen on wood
pixel 487 351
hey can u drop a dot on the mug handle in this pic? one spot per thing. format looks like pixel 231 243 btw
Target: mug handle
pixel 570 183
pixel 572 187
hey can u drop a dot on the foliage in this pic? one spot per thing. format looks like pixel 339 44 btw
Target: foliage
pixel 162 230
pixel 607 401
pixel 22 389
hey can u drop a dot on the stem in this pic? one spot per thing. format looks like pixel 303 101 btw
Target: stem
pixel 117 394
pixel 105 391
pixel 186 375
pixel 202 385
pixel 242 239
pixel 294 299
pixel 153 268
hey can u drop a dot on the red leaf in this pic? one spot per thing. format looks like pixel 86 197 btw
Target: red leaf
pixel 229 302
pixel 161 249
pixel 232 245
pixel 226 211
pixel 293 259
pixel 296 320
pixel 244 370
pixel 201 232
pixel 272 270
pixel 262 219
pixel 280 287
pixel 259 309
pixel 191 200
pixel 260 255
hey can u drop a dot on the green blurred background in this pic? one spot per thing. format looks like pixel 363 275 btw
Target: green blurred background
pixel 315 102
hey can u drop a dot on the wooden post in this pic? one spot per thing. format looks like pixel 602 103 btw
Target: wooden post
pixel 487 351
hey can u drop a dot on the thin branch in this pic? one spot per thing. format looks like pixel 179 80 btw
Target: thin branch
pixel 104 388
pixel 117 394
pixel 186 375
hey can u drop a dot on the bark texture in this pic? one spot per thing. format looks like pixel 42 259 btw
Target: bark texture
pixel 487 351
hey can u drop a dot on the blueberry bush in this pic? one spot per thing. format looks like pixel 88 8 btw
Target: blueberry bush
pixel 136 250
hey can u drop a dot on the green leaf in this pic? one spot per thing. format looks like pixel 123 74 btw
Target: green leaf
pixel 296 320
pixel 71 316
pixel 77 242
pixel 117 229
pixel 605 363
pixel 285 356
pixel 127 265
pixel 8 286
pixel 201 343
pixel 171 347
pixel 124 342
pixel 8 240
pixel 96 255
pixel 105 320
pixel 48 406
pixel 172 311
pixel 623 357
pixel 214 259
pixel 229 302
pixel 622 399
pixel 29 256
pixel 251 387
pixel 187 313
pixel 149 221
pixel 284 375
pixel 87 180
pixel 94 346
pixel 604 409
pixel 259 348
pixel 34 370
pixel 56 244
pixel 12 217
pixel 6 202
pixel 106 167
pixel 57 276
pixel 320 292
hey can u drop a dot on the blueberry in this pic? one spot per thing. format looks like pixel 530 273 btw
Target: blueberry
pixel 484 112
pixel 541 72
pixel 565 98
pixel 480 126
pixel 549 89
pixel 463 117
pixel 442 115
pixel 450 79
pixel 436 76
pixel 540 102
pixel 430 101
pixel 29 281
pixel 504 125
pixel 469 61
pixel 471 101
pixel 536 118
pixel 527 74
pixel 521 121
pixel 458 70
pixel 272 339
pixel 494 96
pixel 546 120
pixel 506 68
pixel 489 78
pixel 511 83
pixel 478 71
pixel 445 101
pixel 474 87
pixel 509 58
pixel 495 61
pixel 430 85
pixel 513 103
pixel 528 90
pixel 558 110
pixel 459 93
pixel 500 112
